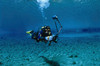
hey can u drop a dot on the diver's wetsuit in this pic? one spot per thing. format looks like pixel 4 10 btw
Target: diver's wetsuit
pixel 40 35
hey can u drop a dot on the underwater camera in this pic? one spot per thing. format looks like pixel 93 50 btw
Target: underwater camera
pixel 54 17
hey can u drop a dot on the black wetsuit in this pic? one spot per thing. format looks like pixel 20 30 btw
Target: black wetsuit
pixel 40 35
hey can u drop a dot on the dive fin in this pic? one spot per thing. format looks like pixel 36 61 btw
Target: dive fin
pixel 30 32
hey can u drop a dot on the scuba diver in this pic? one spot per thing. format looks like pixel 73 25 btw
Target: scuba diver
pixel 45 34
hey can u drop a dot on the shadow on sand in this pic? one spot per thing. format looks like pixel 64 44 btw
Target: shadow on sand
pixel 50 62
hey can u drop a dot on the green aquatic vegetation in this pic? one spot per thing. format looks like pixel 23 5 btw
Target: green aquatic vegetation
pixel 1 63
pixel 93 52
pixel 71 56
pixel 27 59
pixel 74 63
pixel 75 56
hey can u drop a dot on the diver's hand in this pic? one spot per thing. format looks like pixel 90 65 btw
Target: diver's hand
pixel 49 38
pixel 55 37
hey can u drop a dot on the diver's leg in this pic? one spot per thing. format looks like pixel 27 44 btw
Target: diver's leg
pixel 50 43
pixel 37 40
pixel 55 38
pixel 55 41
pixel 33 35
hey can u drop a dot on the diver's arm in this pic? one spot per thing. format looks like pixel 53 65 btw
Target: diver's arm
pixel 50 43
pixel 51 38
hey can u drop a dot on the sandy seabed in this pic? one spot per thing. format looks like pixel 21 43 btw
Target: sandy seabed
pixel 75 51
